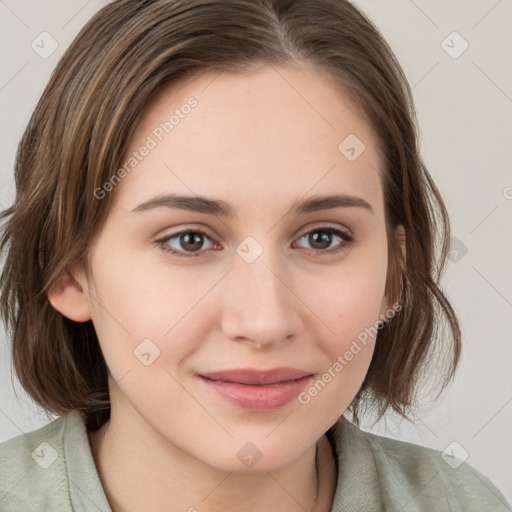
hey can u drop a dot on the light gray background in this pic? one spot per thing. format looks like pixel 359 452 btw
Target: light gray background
pixel 464 107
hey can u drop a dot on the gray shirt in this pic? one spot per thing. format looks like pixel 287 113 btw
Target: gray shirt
pixel 52 469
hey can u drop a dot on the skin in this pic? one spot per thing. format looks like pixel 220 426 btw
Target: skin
pixel 260 141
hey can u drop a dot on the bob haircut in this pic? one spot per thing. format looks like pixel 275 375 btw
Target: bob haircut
pixel 83 124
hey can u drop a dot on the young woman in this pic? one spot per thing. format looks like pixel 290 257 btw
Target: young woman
pixel 223 240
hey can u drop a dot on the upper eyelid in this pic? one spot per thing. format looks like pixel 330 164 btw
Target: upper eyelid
pixel 300 232
pixel 319 227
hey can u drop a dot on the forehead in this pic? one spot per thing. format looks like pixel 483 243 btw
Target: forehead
pixel 269 131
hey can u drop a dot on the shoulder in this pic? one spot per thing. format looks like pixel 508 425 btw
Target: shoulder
pixel 398 475
pixel 33 472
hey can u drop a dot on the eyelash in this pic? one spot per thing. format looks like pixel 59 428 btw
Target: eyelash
pixel 348 239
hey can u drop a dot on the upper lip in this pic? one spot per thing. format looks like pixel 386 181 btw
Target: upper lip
pixel 256 376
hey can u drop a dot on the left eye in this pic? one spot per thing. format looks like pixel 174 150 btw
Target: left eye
pixel 321 239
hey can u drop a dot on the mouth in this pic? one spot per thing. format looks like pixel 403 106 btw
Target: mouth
pixel 257 390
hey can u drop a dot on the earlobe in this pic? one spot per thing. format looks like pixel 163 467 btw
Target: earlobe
pixel 69 298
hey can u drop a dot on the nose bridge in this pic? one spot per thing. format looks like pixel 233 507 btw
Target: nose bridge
pixel 258 306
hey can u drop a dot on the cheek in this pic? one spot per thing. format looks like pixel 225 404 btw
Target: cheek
pixel 350 297
pixel 142 315
pixel 350 305
pixel 348 300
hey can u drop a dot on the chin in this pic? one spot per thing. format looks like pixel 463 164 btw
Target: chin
pixel 252 458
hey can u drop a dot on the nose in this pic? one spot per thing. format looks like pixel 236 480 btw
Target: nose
pixel 259 306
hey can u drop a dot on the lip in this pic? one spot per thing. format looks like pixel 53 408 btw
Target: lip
pixel 257 390
pixel 255 376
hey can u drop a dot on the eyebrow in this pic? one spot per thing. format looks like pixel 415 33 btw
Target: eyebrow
pixel 209 206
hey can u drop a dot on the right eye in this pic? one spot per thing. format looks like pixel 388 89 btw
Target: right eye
pixel 189 242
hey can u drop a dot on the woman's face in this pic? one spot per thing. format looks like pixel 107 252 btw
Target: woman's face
pixel 242 264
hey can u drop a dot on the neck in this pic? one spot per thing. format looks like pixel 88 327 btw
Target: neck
pixel 140 470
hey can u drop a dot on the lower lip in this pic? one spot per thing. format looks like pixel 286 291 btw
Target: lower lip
pixel 259 397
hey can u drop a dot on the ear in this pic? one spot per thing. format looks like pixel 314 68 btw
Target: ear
pixel 69 297
pixel 396 267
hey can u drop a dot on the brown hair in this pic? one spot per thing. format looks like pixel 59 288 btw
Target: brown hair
pixel 81 129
